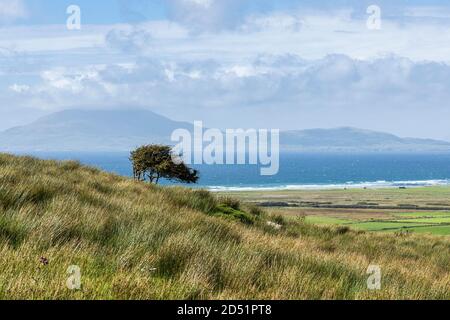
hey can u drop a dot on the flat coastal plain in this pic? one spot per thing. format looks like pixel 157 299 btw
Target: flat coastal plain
pixel 410 210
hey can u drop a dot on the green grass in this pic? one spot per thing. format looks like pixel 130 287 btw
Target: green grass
pixel 327 220
pixel 384 225
pixel 138 241
pixel 439 225
pixel 430 223
pixel 437 230
pixel 423 214
pixel 434 220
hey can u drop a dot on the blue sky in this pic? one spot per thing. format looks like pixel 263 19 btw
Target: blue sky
pixel 94 12
pixel 120 11
pixel 288 64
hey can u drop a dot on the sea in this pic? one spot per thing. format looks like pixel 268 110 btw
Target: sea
pixel 298 171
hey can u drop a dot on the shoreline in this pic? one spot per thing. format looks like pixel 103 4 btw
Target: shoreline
pixel 338 186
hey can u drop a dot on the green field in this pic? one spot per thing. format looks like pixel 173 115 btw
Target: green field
pixel 416 210
pixel 433 224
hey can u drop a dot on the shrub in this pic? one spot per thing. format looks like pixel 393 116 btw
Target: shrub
pixel 228 212
pixel 279 219
pixel 230 202
pixel 342 230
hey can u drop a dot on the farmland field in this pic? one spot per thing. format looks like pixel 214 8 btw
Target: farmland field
pixel 415 210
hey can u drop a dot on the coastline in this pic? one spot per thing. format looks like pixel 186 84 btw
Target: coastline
pixel 338 186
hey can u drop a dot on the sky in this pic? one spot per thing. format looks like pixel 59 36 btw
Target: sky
pixel 286 64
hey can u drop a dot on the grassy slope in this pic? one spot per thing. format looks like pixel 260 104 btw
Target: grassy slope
pixel 135 241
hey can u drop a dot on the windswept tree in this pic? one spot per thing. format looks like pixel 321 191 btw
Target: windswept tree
pixel 155 162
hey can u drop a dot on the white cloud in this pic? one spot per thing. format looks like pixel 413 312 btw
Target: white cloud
pixel 206 15
pixel 19 88
pixel 427 12
pixel 129 39
pixel 277 91
pixel 201 3
pixel 275 22
pixel 11 10
pixel 283 69
pixel 311 35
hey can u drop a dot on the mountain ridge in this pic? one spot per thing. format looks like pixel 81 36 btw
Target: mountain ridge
pixel 122 130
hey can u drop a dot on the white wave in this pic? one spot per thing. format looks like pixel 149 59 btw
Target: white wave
pixel 348 185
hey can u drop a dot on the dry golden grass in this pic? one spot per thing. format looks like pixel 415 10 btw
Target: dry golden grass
pixel 136 241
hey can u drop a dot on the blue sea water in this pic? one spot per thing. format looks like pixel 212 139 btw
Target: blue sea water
pixel 301 171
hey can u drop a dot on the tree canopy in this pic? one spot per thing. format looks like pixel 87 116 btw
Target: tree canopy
pixel 155 162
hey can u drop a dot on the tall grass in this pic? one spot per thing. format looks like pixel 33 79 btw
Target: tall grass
pixel 137 241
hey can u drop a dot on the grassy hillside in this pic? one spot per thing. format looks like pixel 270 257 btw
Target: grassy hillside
pixel 135 241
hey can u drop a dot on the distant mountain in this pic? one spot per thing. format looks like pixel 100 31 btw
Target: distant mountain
pixel 81 130
pixel 122 130
pixel 356 140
